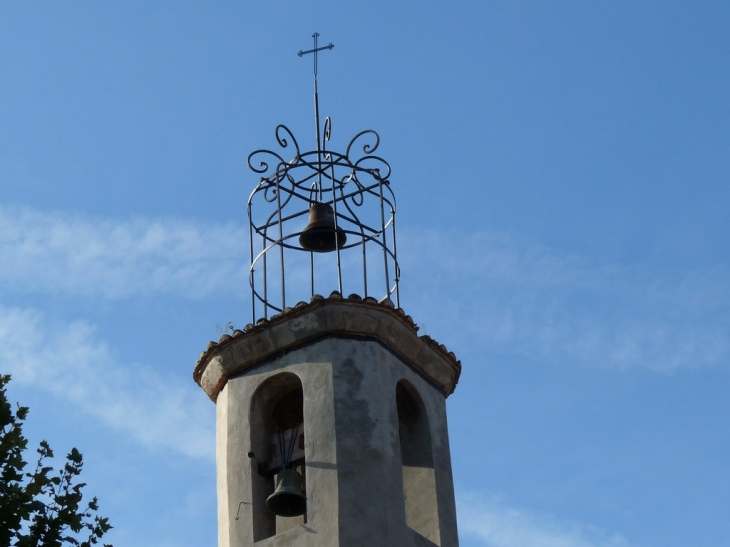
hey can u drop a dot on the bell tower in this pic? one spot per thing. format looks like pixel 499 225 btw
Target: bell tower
pixel 331 412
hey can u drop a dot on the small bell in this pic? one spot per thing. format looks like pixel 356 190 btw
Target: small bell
pixel 321 235
pixel 288 500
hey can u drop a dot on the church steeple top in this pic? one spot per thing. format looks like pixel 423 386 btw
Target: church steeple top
pixel 330 411
pixel 314 207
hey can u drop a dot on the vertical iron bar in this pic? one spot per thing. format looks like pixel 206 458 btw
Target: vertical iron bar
pixel 385 239
pixel 396 266
pixel 339 266
pixel 311 271
pixel 266 274
pixel 252 279
pixel 364 263
pixel 337 246
pixel 311 254
pixel 281 246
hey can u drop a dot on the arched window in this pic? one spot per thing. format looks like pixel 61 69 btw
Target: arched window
pixel 416 450
pixel 277 433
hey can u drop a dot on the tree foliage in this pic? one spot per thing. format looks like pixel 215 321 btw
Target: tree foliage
pixel 44 507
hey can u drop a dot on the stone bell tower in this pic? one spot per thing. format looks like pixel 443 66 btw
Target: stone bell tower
pixel 331 414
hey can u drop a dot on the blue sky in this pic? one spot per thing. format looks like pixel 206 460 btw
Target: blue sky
pixel 561 170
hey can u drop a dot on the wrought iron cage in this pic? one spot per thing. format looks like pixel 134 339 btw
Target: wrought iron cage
pixel 355 187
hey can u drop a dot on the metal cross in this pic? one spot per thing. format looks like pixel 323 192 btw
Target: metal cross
pixel 315 50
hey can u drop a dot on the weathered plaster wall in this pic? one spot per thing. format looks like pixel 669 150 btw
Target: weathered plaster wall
pixel 353 462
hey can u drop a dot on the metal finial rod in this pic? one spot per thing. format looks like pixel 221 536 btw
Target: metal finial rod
pixel 314 50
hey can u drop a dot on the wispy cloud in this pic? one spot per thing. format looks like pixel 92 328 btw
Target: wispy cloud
pixel 518 295
pixel 71 362
pixel 507 293
pixel 84 255
pixel 78 255
pixel 492 523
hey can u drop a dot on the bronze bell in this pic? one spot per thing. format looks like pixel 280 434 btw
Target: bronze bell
pixel 288 500
pixel 321 235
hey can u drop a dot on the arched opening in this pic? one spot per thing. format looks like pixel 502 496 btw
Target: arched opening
pixel 416 450
pixel 277 442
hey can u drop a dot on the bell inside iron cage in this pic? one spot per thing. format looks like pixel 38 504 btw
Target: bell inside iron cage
pixel 322 235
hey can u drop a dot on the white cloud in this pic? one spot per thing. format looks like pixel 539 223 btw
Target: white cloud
pixel 523 297
pixel 70 362
pixel 491 523
pixel 518 295
pixel 84 255
pixel 79 255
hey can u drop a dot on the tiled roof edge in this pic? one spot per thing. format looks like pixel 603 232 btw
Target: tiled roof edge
pixel 318 301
